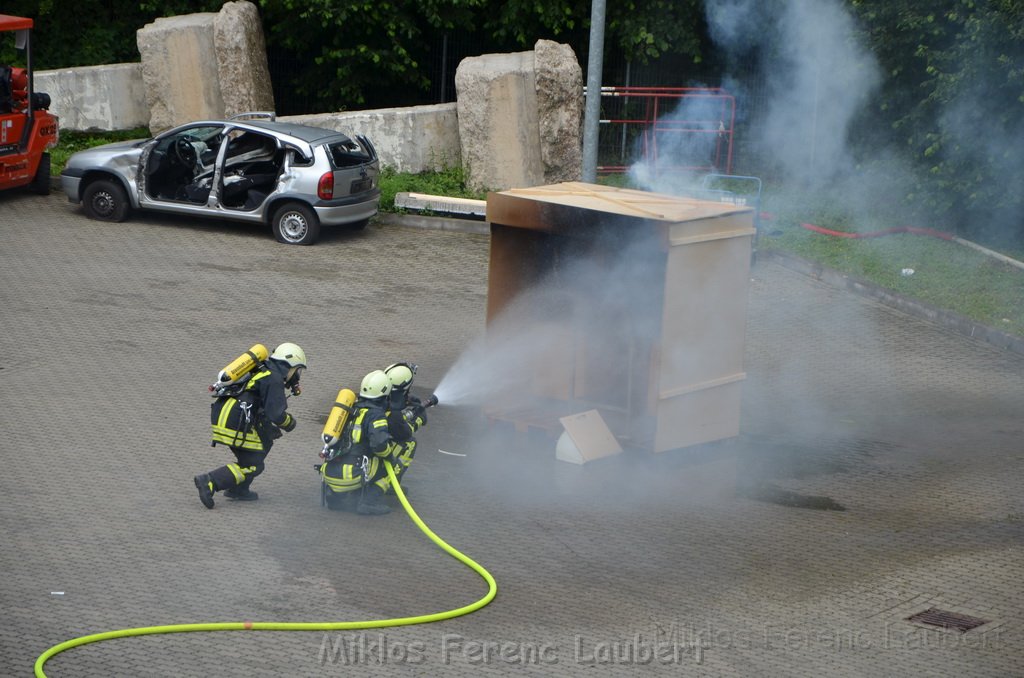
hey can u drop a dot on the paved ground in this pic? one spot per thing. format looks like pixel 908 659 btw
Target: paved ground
pixel 634 565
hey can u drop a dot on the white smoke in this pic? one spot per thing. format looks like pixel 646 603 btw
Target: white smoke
pixel 817 79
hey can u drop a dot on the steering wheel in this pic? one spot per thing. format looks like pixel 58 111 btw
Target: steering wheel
pixel 185 152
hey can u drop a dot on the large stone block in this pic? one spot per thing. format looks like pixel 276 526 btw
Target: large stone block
pixel 498 127
pixel 96 98
pixel 179 70
pixel 559 111
pixel 242 59
pixel 412 139
pixel 520 117
pixel 205 65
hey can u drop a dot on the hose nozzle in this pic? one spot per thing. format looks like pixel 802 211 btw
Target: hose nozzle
pixel 430 402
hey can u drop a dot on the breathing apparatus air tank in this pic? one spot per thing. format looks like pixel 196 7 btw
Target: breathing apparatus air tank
pixel 338 417
pixel 241 366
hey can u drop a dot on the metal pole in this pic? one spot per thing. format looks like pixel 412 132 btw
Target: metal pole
pixel 625 111
pixel 444 70
pixel 592 114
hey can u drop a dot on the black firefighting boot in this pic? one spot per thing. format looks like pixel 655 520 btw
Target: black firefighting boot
pixel 205 486
pixel 239 493
pixel 371 503
pixel 342 501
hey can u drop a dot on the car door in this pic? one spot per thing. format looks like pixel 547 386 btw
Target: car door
pixel 176 169
pixel 250 165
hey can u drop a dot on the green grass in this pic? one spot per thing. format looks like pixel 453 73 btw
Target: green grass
pixel 947 275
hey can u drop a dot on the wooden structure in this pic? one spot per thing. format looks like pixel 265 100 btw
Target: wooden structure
pixel 633 304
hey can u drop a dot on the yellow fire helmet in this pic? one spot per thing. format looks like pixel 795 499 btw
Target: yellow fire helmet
pixel 290 353
pixel 400 374
pixel 375 385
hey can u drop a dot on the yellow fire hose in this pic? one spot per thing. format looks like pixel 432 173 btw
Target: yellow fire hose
pixel 492 590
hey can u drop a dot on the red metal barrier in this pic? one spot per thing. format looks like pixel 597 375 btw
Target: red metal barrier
pixel 674 129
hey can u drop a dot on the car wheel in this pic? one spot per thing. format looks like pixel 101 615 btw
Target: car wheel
pixel 359 225
pixel 296 224
pixel 105 200
pixel 41 181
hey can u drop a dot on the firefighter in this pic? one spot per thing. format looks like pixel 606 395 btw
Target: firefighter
pixel 406 415
pixel 357 478
pixel 250 422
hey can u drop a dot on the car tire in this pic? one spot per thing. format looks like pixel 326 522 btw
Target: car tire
pixel 41 181
pixel 105 200
pixel 295 224
pixel 359 225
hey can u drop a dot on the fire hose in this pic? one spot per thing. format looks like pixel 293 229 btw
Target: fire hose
pixel 492 589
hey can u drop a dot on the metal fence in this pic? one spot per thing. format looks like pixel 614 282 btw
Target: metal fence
pixel 695 130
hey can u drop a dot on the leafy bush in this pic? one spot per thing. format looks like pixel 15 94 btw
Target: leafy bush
pixel 448 181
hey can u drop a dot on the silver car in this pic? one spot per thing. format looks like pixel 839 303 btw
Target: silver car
pixel 247 168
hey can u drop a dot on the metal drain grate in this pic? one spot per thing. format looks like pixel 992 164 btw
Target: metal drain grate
pixel 947 620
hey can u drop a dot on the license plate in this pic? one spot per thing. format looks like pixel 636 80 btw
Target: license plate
pixel 361 185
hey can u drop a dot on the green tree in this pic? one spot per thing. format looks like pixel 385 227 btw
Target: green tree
pixel 350 50
pixel 337 54
pixel 954 100
pixel 640 29
pixel 91 32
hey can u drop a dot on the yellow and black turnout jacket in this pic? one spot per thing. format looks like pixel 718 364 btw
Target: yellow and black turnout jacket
pixel 251 420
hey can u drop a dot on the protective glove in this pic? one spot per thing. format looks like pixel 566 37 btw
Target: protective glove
pixel 289 422
pixel 415 415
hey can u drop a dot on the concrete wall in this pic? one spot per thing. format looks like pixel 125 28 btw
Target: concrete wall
pixel 112 97
pixel 516 124
pixel 96 98
pixel 411 139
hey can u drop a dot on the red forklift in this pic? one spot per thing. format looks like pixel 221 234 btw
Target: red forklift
pixel 27 129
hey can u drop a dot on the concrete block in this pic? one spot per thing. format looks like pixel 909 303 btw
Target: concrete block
pixel 441 204
pixel 498 124
pixel 559 81
pixel 242 68
pixel 96 98
pixel 412 139
pixel 179 70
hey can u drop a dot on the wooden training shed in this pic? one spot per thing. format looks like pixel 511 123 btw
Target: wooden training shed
pixel 636 302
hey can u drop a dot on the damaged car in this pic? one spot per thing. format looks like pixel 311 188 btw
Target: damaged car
pixel 294 178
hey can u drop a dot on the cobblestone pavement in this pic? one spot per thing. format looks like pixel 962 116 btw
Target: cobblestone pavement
pixel 735 564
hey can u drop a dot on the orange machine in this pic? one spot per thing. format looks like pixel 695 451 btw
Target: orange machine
pixel 27 129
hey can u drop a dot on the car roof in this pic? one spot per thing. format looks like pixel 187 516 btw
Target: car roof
pixel 310 135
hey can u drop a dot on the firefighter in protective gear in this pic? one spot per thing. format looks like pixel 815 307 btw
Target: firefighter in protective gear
pixel 250 422
pixel 406 415
pixel 357 478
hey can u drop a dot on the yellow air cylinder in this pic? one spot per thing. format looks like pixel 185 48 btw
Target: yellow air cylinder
pixel 338 416
pixel 242 365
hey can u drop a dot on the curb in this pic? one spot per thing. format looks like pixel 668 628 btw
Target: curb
pixel 441 223
pixel 948 320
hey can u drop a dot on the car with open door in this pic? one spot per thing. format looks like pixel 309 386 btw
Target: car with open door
pixel 252 168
